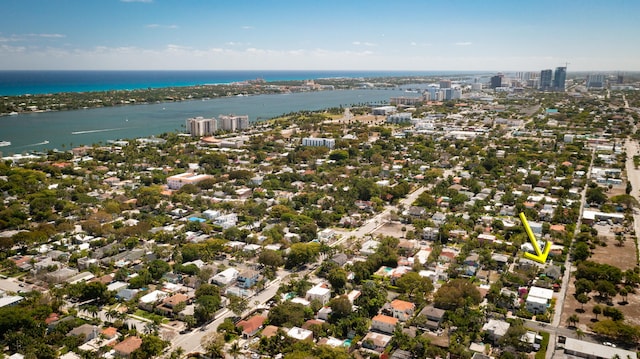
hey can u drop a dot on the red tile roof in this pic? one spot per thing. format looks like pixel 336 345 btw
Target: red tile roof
pixel 252 324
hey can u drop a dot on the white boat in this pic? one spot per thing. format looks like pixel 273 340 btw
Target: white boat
pixel 5 143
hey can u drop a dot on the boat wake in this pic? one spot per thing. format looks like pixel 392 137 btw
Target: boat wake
pixel 94 131
pixel 45 142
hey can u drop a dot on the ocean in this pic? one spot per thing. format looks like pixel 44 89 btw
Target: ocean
pixel 45 82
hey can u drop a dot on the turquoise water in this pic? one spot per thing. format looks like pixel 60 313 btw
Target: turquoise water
pixel 41 82
pixel 66 129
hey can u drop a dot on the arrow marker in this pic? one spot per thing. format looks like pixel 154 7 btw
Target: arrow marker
pixel 540 256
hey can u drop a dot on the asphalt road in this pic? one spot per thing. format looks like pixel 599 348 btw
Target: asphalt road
pixel 190 342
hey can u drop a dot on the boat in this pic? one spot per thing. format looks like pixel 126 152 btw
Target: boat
pixel 5 143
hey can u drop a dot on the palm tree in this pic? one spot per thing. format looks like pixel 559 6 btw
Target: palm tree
pixel 579 333
pixel 151 327
pixel 93 310
pixel 112 314
pixel 234 350
pixel 573 320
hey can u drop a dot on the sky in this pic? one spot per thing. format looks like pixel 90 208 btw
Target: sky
pixel 409 35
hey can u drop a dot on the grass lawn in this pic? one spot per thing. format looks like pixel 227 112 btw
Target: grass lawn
pixel 151 316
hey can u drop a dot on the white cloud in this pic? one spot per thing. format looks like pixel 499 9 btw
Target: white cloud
pixel 360 43
pixel 49 36
pixel 463 43
pixel 247 27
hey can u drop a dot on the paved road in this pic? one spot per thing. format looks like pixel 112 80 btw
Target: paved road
pixel 190 342
pixel 562 295
pixel 379 219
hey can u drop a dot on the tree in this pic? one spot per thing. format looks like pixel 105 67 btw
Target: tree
pixel 206 307
pixel 270 258
pixel 237 305
pixel 213 345
pixel 287 314
pixel 207 289
pixel 583 285
pixel 340 307
pixel 624 293
pixel 581 251
pixel 573 320
pixel 235 350
pixel 157 268
pixel 415 286
pixel 582 298
pixel 597 310
pixel 605 289
pixel 301 253
pixel 337 277
pixel 455 294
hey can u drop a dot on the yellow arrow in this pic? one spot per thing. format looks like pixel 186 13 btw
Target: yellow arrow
pixel 540 256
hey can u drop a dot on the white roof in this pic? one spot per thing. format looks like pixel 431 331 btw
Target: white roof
pixel 318 290
pixel 596 350
pixel 541 293
pixel 498 327
pixel 9 300
pixel 116 286
pixel 153 296
pixel 299 333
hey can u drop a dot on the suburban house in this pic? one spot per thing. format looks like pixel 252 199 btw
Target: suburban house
pixel 226 277
pixel 376 341
pixel 320 292
pixel 434 317
pixel 384 323
pixel 496 329
pixel 538 300
pixel 87 331
pixel 300 334
pixel 402 310
pixel 127 346
pixel 248 278
pixel 251 326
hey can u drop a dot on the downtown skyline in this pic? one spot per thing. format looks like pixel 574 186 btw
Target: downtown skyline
pixel 460 35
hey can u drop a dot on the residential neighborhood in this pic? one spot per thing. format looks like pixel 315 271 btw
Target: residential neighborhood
pixel 362 232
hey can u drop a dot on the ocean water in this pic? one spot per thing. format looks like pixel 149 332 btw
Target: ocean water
pixel 45 82
pixel 62 130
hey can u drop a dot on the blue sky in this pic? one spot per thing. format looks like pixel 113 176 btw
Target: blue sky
pixel 416 35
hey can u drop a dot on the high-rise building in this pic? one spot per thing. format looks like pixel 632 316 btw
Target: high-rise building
pixel 546 79
pixel 496 81
pixel 559 78
pixel 445 84
pixel 233 123
pixel 200 126
pixel 595 81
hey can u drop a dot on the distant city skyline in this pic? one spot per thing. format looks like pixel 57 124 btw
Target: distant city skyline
pixel 414 35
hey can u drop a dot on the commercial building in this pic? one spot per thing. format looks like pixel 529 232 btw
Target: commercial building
pixel 595 81
pixel 559 79
pixel 177 181
pixel 584 349
pixel 496 81
pixel 546 79
pixel 319 142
